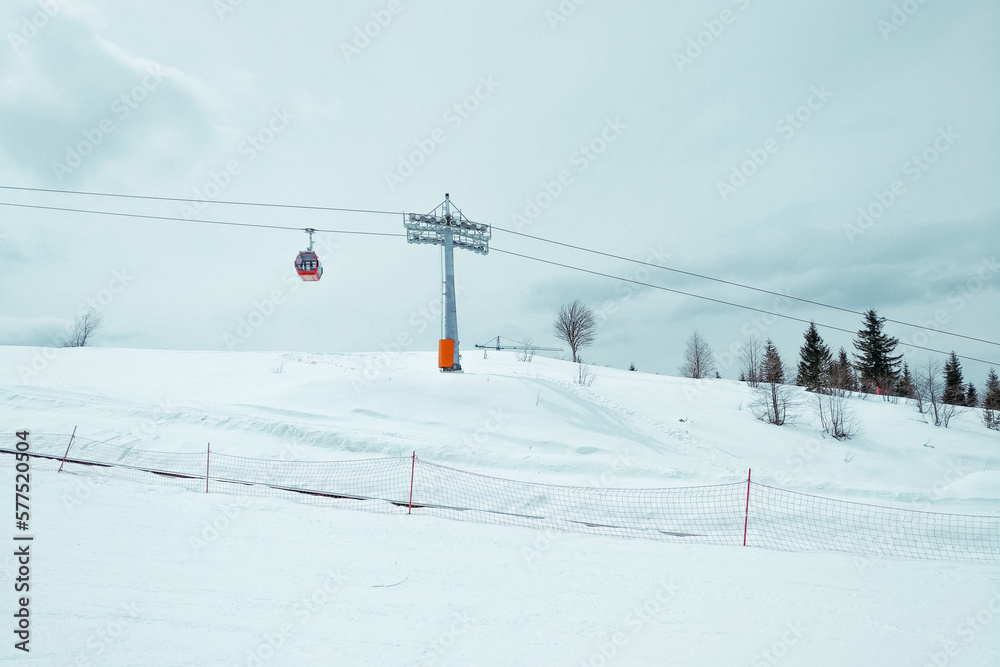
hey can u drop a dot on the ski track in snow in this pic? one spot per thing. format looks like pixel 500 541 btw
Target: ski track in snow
pixel 298 427
pixel 665 437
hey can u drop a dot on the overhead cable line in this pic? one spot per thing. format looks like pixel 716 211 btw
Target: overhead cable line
pixel 501 229
pixel 197 201
pixel 199 221
pixel 736 284
pixel 720 301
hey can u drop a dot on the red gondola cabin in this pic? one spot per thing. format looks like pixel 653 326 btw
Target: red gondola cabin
pixel 308 267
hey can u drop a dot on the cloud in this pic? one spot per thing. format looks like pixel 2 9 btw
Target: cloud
pixel 79 108
pixel 33 331
pixel 655 188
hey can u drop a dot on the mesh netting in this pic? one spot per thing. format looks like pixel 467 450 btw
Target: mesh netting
pixel 377 484
pixel 712 514
pixel 791 521
pixel 778 519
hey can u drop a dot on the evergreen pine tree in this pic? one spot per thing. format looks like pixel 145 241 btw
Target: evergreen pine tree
pixel 954 386
pixel 874 361
pixel 814 363
pixel 771 368
pixel 842 373
pixel 991 401
pixel 906 388
pixel 774 401
pixel 972 396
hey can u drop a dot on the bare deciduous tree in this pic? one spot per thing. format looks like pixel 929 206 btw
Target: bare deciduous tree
pixel 576 326
pixel 929 394
pixel 699 361
pixel 585 374
pixel 527 353
pixel 774 403
pixel 84 328
pixel 750 358
pixel 888 386
pixel 835 415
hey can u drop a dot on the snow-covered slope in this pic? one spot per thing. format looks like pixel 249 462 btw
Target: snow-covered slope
pixel 131 574
pixel 525 420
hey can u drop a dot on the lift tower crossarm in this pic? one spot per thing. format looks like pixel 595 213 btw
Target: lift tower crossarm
pixel 497 345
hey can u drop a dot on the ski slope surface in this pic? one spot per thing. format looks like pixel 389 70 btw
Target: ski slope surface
pixel 125 573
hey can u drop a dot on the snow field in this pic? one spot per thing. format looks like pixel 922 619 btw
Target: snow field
pixel 127 574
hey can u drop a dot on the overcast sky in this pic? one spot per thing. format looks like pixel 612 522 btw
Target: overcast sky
pixel 739 139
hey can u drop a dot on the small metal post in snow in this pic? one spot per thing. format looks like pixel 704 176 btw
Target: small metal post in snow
pixel 413 469
pixel 746 515
pixel 67 449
